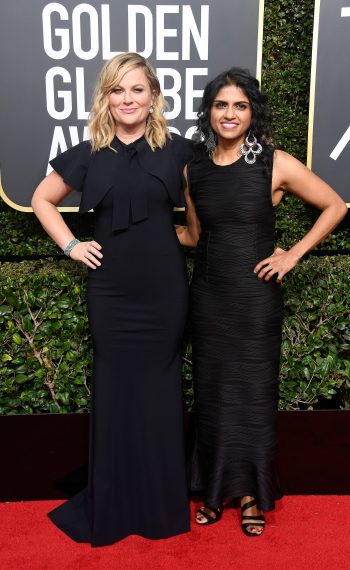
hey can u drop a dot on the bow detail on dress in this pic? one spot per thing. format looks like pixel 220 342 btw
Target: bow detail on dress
pixel 114 169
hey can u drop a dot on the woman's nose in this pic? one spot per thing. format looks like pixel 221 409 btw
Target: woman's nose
pixel 127 97
pixel 230 112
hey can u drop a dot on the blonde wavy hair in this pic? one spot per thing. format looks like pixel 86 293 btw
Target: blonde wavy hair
pixel 101 123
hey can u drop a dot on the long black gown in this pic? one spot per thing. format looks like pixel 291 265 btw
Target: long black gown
pixel 137 305
pixel 236 325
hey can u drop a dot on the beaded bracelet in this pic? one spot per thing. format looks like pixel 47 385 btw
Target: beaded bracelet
pixel 70 246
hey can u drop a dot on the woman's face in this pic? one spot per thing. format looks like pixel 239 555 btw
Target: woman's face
pixel 231 113
pixel 130 101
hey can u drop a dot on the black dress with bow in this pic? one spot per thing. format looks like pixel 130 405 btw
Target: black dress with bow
pixel 137 304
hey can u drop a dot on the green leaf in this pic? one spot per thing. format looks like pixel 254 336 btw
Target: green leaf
pixel 5 310
pixel 17 339
pixel 21 378
pixel 307 373
pixel 6 357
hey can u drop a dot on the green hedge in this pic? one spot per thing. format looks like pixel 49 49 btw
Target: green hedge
pixel 287 45
pixel 288 29
pixel 46 354
pixel 22 233
pixel 315 359
pixel 45 360
pixel 45 357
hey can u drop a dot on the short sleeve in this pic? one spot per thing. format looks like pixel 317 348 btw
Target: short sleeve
pixel 73 164
pixel 183 150
pixel 183 154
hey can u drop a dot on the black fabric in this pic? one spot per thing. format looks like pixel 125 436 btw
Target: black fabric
pixel 96 173
pixel 137 303
pixel 73 164
pixel 236 328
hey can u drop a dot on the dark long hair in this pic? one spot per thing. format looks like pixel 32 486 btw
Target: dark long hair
pixel 261 115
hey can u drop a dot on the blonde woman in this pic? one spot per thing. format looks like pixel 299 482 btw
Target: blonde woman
pixel 130 173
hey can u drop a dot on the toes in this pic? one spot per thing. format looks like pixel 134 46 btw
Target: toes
pixel 255 529
pixel 209 512
pixel 200 518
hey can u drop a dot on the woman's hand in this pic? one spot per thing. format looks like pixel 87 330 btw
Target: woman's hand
pixel 87 252
pixel 279 263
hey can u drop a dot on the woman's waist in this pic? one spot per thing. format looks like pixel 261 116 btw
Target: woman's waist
pixel 153 239
pixel 228 241
pixel 243 262
pixel 238 228
pixel 136 252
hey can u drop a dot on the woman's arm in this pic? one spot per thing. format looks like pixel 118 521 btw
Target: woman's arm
pixel 294 177
pixel 50 192
pixel 188 235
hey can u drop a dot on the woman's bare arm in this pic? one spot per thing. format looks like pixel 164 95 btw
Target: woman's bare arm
pixel 294 177
pixel 188 235
pixel 50 192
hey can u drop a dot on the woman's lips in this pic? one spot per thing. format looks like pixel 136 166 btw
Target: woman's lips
pixel 229 125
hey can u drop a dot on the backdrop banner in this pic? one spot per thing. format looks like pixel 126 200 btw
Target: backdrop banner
pixel 51 53
pixel 329 126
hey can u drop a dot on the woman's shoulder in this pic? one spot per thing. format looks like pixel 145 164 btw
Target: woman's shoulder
pixel 181 147
pixel 283 160
pixel 200 156
pixel 178 142
pixel 81 151
pixel 84 149
pixel 73 163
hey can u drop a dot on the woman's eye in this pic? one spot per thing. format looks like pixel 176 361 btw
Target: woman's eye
pixel 241 106
pixel 138 89
pixel 117 90
pixel 220 105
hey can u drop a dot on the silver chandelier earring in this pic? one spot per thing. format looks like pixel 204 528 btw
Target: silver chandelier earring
pixel 250 149
pixel 210 142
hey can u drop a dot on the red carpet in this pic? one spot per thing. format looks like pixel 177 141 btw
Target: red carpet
pixel 310 533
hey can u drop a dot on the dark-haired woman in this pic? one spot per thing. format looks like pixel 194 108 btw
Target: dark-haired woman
pixel 234 185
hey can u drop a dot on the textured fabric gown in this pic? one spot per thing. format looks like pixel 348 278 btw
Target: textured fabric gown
pixel 137 305
pixel 236 326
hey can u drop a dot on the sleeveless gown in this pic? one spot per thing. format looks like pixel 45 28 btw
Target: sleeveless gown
pixel 137 306
pixel 236 334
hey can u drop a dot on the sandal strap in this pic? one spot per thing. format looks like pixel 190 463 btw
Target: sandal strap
pixel 207 515
pixel 248 504
pixel 252 524
pixel 254 517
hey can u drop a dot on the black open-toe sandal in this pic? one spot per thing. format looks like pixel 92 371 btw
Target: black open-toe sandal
pixel 209 518
pixel 259 518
